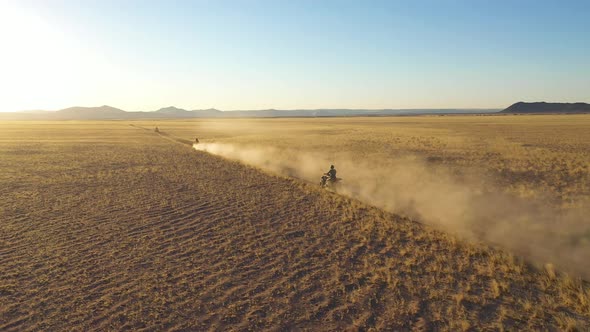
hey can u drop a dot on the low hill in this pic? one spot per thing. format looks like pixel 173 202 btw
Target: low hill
pixel 543 107
pixel 102 112
pixel 175 112
pixel 172 110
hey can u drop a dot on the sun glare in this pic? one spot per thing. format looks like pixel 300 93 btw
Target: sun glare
pixel 38 64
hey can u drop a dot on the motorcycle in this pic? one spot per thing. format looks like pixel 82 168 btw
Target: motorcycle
pixel 329 182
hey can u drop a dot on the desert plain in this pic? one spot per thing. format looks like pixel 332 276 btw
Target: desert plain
pixel 441 223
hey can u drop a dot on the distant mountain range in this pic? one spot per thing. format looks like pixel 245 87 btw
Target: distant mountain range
pixel 543 107
pixel 111 113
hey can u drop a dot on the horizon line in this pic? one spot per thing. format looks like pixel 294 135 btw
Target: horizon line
pixel 265 109
pixel 292 109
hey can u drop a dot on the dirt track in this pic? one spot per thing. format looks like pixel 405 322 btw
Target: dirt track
pixel 146 233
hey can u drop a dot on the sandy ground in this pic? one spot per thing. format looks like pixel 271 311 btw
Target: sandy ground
pixel 104 226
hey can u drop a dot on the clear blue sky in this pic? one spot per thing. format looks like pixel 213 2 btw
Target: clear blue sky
pixel 143 55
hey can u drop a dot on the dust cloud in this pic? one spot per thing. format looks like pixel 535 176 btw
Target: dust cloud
pixel 436 195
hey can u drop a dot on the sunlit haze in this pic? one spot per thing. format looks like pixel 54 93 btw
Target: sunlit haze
pixel 144 55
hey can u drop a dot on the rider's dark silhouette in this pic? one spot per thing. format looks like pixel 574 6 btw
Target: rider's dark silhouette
pixel 332 173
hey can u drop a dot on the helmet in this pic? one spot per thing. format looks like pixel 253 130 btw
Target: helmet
pixel 331 166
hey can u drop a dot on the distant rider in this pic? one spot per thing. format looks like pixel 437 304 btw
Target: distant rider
pixel 332 173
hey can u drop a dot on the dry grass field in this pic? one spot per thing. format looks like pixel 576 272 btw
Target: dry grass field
pixel 519 181
pixel 107 226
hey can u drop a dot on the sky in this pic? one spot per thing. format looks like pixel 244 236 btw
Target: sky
pixel 230 55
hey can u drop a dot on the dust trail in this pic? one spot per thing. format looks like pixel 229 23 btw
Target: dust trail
pixel 436 195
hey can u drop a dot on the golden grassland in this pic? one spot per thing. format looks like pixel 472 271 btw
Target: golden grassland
pixel 522 182
pixel 106 226
pixel 533 155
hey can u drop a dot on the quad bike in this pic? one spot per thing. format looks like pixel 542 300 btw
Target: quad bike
pixel 328 182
